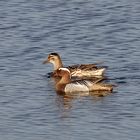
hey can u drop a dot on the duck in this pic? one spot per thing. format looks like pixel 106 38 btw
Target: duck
pixel 66 85
pixel 79 70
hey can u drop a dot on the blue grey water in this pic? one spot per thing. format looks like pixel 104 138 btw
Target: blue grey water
pixel 81 32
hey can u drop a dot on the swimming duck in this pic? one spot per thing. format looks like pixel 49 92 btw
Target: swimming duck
pixel 83 70
pixel 65 85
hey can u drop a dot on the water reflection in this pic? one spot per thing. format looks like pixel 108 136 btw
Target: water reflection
pixel 65 101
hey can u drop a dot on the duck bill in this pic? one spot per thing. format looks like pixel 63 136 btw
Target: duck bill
pixel 45 61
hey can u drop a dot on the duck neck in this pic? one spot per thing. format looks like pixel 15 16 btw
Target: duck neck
pixel 58 64
pixel 65 79
pixel 60 85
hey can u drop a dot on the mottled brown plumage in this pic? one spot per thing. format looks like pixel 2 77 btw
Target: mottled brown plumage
pixel 67 86
pixel 80 70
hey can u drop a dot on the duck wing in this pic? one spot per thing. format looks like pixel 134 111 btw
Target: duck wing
pixel 84 67
pixel 89 81
pixel 81 85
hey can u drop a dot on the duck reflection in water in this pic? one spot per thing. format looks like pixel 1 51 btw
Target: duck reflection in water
pixel 66 102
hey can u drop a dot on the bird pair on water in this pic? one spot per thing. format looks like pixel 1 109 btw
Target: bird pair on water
pixel 87 74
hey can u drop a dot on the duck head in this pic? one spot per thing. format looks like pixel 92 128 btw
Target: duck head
pixel 52 57
pixel 55 59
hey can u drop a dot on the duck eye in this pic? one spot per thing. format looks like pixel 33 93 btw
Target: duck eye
pixel 51 58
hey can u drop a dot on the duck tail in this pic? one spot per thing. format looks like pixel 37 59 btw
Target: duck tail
pixel 102 87
pixel 100 71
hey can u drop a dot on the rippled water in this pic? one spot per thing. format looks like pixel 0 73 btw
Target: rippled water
pixel 82 32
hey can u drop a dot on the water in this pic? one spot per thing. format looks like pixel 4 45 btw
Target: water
pixel 82 32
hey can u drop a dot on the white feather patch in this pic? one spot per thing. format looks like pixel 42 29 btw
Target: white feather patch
pixel 76 87
pixel 64 69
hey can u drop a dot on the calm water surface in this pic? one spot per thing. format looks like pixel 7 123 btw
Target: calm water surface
pixel 82 32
